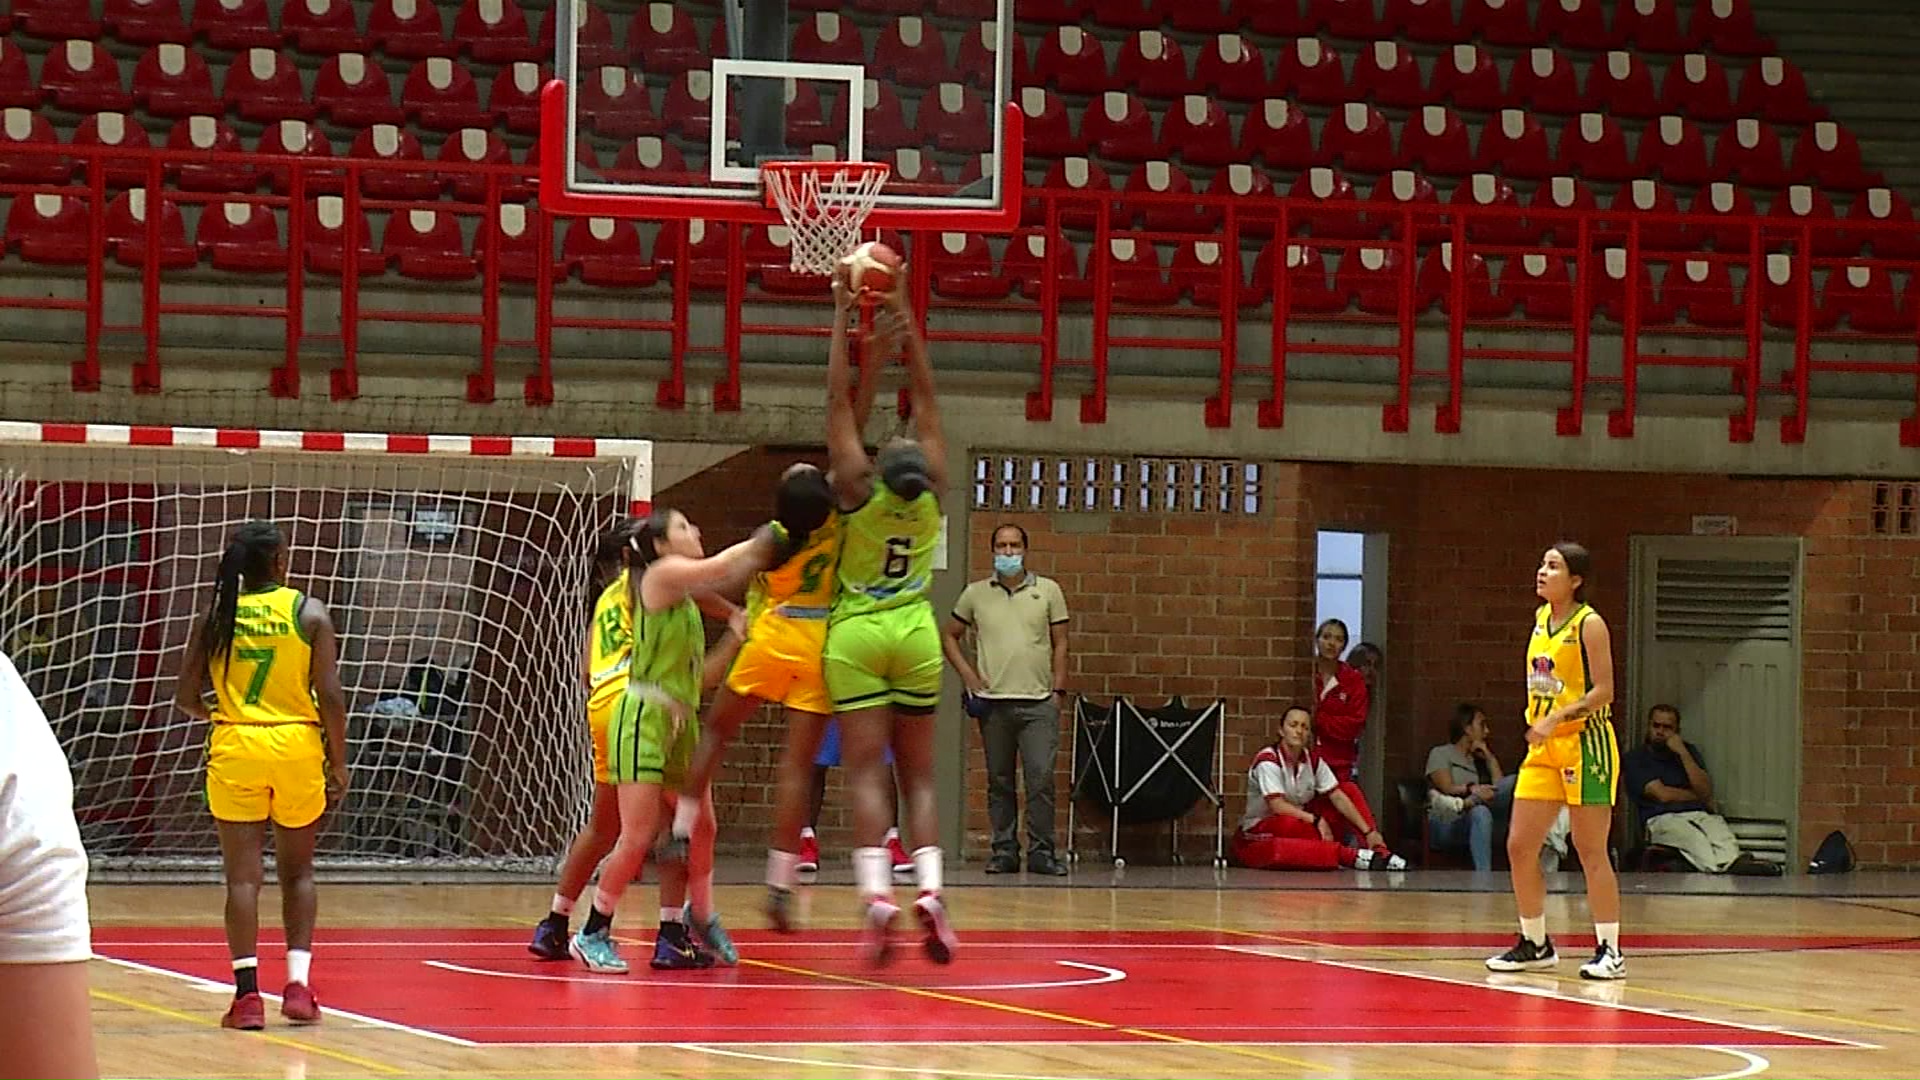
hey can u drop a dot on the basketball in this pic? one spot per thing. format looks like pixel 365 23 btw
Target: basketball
pixel 870 269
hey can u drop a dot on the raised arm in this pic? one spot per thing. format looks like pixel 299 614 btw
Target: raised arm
pixel 190 686
pixel 848 465
pixel 926 411
pixel 671 578
pixel 324 677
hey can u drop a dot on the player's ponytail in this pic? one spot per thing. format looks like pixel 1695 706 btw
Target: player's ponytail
pixel 609 553
pixel 643 546
pixel 1579 564
pixel 248 560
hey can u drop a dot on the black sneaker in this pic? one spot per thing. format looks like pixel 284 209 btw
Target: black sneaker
pixel 1003 864
pixel 550 939
pixel 674 950
pixel 1525 956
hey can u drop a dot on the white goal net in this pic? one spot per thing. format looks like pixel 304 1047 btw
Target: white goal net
pixel 458 574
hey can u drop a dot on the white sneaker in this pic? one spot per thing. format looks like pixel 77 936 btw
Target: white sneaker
pixel 1607 963
pixel 1368 859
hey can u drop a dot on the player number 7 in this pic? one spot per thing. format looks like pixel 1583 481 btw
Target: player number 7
pixel 263 661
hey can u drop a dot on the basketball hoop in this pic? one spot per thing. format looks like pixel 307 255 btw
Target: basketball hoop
pixel 824 204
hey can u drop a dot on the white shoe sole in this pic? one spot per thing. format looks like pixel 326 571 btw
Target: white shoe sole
pixel 1547 964
pixel 598 969
pixel 1588 971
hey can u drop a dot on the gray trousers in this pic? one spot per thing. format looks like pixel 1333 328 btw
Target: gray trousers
pixel 1030 729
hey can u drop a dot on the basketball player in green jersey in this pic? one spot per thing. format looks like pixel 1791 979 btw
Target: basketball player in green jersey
pixel 883 661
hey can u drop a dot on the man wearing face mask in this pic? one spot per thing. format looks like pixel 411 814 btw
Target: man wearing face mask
pixel 1017 622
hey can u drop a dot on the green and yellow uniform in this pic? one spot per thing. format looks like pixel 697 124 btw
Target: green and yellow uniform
pixel 663 679
pixel 1580 762
pixel 265 757
pixel 787 610
pixel 882 645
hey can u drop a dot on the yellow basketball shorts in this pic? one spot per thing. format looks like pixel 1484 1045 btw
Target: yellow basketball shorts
pixel 1579 768
pixel 598 717
pixel 781 668
pixel 257 772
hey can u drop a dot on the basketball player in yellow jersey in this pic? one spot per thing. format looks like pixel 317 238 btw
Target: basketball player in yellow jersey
pixel 271 655
pixel 1572 761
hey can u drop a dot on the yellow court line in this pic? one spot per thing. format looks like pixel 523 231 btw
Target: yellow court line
pixel 1041 1014
pixel 1373 952
pixel 277 1040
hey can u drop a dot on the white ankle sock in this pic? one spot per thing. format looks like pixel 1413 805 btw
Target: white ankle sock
pixel 927 870
pixel 562 905
pixel 669 914
pixel 685 812
pixel 299 965
pixel 1608 934
pixel 873 872
pixel 782 868
pixel 1534 929
pixel 806 832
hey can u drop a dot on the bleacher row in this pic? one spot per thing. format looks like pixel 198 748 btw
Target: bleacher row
pixel 1151 98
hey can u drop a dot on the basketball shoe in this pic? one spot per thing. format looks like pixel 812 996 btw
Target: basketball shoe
pixel 1525 956
pixel 247 1013
pixel 809 853
pixel 779 909
pixel 940 941
pixel 902 862
pixel 596 951
pixel 713 935
pixel 549 938
pixel 674 950
pixel 298 1004
pixel 1607 963
pixel 876 933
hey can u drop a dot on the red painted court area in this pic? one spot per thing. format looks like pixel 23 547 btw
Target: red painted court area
pixel 480 986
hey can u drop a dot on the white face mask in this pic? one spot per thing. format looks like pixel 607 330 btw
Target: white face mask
pixel 1008 565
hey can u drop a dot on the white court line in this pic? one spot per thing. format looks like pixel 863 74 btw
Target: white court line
pixel 1755 1064
pixel 917 1071
pixel 210 986
pixel 1530 991
pixel 1105 975
pixel 1389 1044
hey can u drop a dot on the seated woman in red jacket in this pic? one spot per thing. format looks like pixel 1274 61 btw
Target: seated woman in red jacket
pixel 1291 798
pixel 1341 700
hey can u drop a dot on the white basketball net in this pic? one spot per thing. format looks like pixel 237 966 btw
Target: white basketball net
pixel 824 206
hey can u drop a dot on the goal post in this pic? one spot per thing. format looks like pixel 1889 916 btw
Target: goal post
pixel 458 573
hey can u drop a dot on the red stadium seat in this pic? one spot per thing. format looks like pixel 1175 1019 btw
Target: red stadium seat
pixel 1024 263
pixel 1436 140
pixel 1863 296
pixel 1203 16
pixel 913 165
pixel 1499 22
pixel 1429 22
pixel 593 32
pixel 1233 69
pixel 616 104
pixel 1803 205
pixel 909 52
pixel 1673 149
pixel 1200 268
pixel 515 97
pixel 1780 296
pixel 1326 205
pixel 1309 291
pixel 1276 18
pixel 1881 205
pixel 1696 86
pixel 1075 174
pixel 496 32
pixel 326 230
pixel 1151 64
pixel 826 38
pixel 409 29
pixel 300 139
pixel 1828 155
pixel 1625 83
pixel 1608 290
pixel 886 119
pixel 1576 24
pixel 1539 286
pixel 1749 151
pixel 1353 20
pixel 241 238
pixel 475 146
pixel 1136 275
pixel 1726 26
pixel 1545 82
pixel 1117 126
pixel 48 229
pixel 648 159
pixel 1649 197
pixel 114 130
pixel 1651 26
pixel 516 245
pixel 958 118
pixel 701 256
pixel 441 95
pixel 963 268
pixel 1561 193
pixel 24 127
pixel 82 77
pixel 125 226
pixel 1372 277
pixel 606 252
pixel 17 89
pixel 1311 72
pixel 1774 89
pixel 263 86
pixel 388 143
pixel 687 107
pixel 1703 291
pixel 1245 182
pixel 1071 61
pixel 147 22
pixel 353 91
pixel 887 7
pixel 1049 130
pixel 1722 199
pixel 1161 178
pixel 172 80
pixel 1435 281
pixel 322 27
pixel 56 20
pixel 235 25
pixel 210 133
pixel 1358 140
pixel 1594 145
pixel 1277 133
pixel 1505 223
pixel 975 63
pixel 1404 187
pixel 1053 12
pixel 1387 74
pixel 1198 129
pixel 1466 76
pixel 971 10
pixel 1514 144
pixel 426 246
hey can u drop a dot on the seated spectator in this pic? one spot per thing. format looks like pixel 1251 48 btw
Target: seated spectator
pixel 1668 781
pixel 1469 797
pixel 1291 795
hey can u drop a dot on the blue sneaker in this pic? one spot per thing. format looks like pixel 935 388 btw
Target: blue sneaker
pixel 712 935
pixel 674 950
pixel 596 951
pixel 549 940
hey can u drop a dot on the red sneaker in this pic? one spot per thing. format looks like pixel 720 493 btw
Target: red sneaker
pixel 809 855
pixel 902 862
pixel 876 933
pixel 247 1013
pixel 941 940
pixel 298 1004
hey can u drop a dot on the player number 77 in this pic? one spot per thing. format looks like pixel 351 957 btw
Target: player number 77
pixel 262 659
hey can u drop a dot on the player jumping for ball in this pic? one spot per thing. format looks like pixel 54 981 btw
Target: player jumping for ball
pixel 883 659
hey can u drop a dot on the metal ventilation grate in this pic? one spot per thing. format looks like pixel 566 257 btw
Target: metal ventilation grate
pixel 1723 600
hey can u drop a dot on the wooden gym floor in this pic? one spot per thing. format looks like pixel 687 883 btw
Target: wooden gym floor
pixel 1147 973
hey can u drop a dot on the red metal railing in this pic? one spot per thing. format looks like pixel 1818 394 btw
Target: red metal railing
pixel 1216 322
